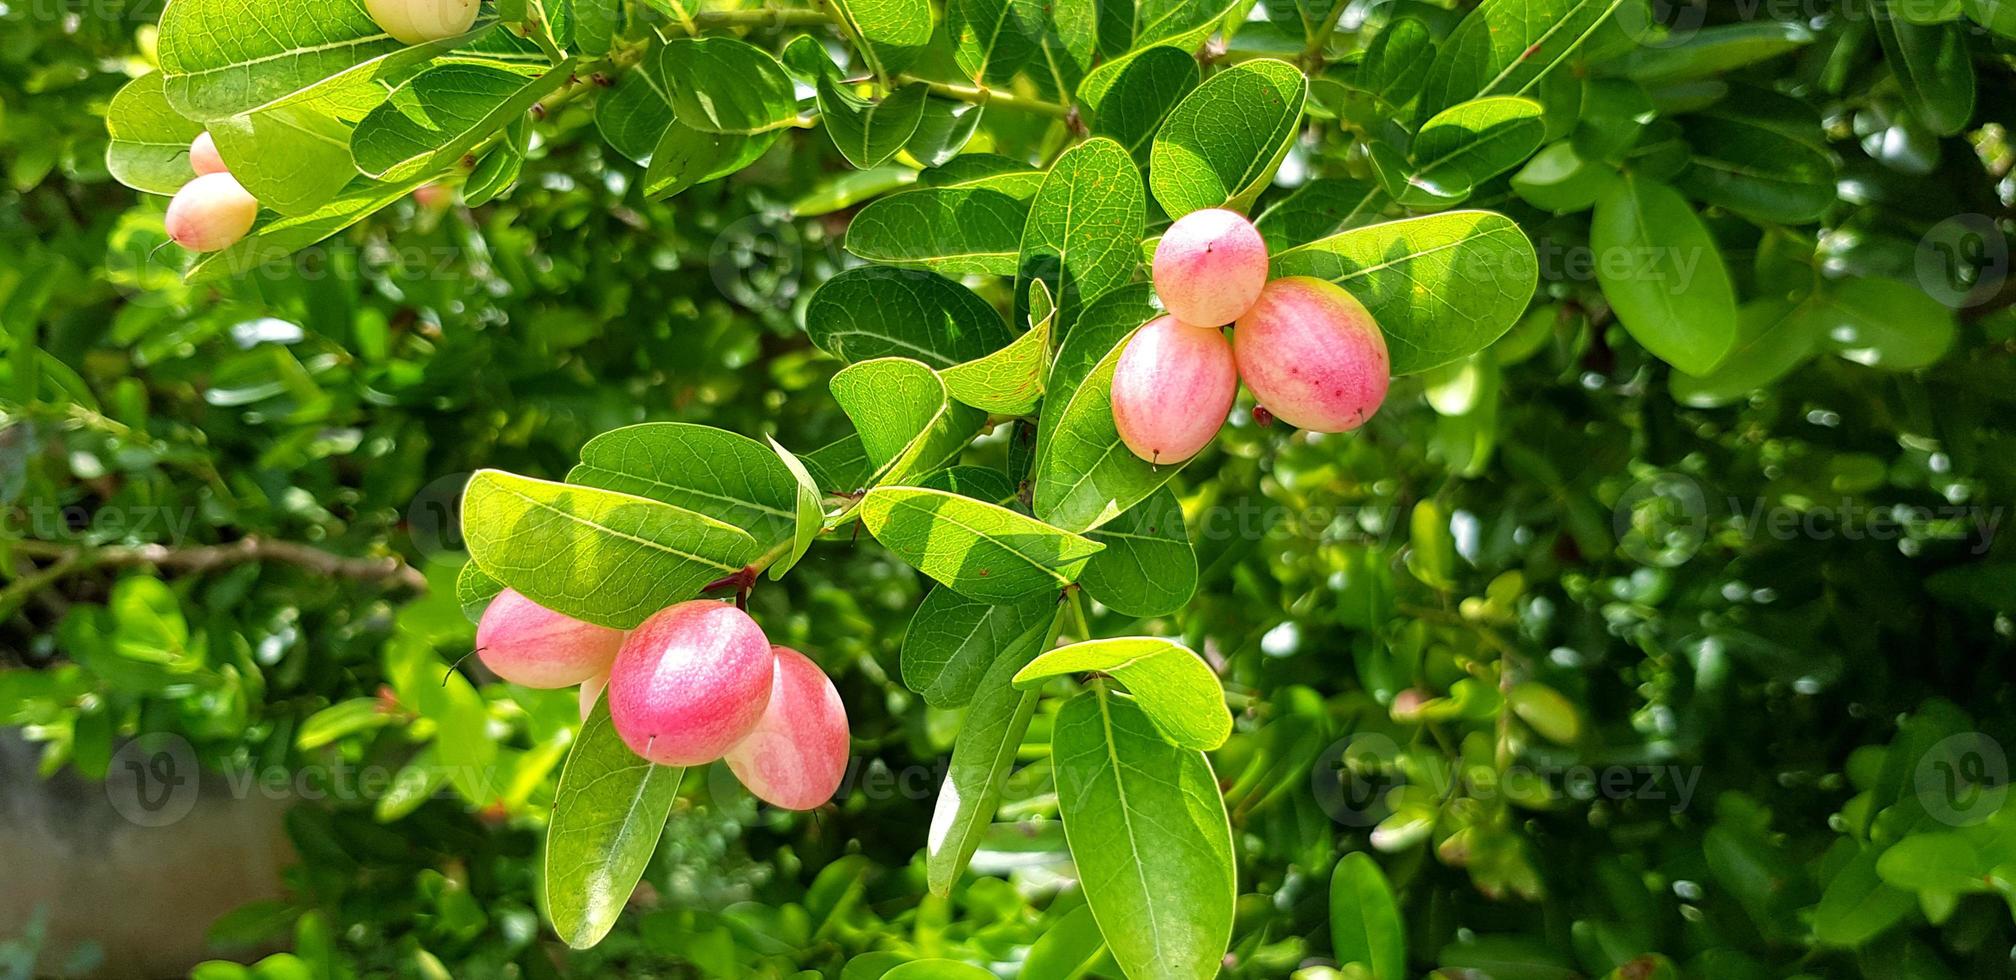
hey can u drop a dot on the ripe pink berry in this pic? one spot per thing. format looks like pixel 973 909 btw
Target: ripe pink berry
pixel 210 213
pixel 1312 355
pixel 1172 387
pixel 420 21
pixel 527 643
pixel 1210 267
pixel 203 156
pixel 690 682
pixel 797 754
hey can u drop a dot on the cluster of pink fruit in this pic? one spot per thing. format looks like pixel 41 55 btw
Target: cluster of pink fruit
pixel 214 211
pixel 1309 351
pixel 694 683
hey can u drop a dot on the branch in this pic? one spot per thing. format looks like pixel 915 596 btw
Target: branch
pixel 982 95
pixel 202 558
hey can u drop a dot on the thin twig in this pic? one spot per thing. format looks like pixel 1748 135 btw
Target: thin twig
pixel 203 558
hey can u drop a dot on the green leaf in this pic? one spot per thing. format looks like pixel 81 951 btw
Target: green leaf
pixel 1396 63
pixel 293 158
pixel 945 128
pixel 150 141
pixel 1068 45
pixel 908 424
pixel 1662 273
pixel 723 85
pixel 1069 950
pixel 840 466
pixel 1180 24
pixel 1750 166
pixel 221 58
pixel 276 241
pixel 1709 52
pixel 724 475
pixel 1010 380
pixel 686 157
pixel 596 24
pixel 1222 144
pixel 634 115
pixel 993 40
pixel 1773 337
pixel 1884 323
pixel 894 31
pixel 474 588
pixel 1441 287
pixel 608 813
pixel 1084 475
pixel 867 132
pixel 874 312
pixel 979 482
pixel 1558 179
pixel 1130 97
pixel 1932 68
pixel 983 756
pixel 1315 209
pixel 338 720
pixel 974 230
pixel 1083 238
pixel 1148 568
pixel 604 557
pixel 1172 685
pixel 810 516
pixel 1506 47
pixel 1364 919
pixel 937 969
pixel 980 550
pixel 953 641
pixel 1149 835
pixel 439 115
pixel 1996 15
pixel 1857 906
pixel 1467 144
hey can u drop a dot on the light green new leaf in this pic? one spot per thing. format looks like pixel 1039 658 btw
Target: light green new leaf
pixel 980 550
pixel 1467 144
pixel 810 517
pixel 1364 919
pixel 1506 47
pixel 150 141
pixel 596 23
pixel 474 588
pixel 1932 68
pixel 1442 287
pixel 937 969
pixel 1773 337
pixel 893 31
pixel 1148 567
pixel 868 132
pixel 723 85
pixel 1180 24
pixel 1857 905
pixel 840 466
pixel 953 641
pixel 1010 380
pixel 725 475
pixel 1662 273
pixel 1149 834
pixel 1069 950
pixel 970 230
pixel 1884 323
pixel 442 113
pixel 1222 144
pixel 605 557
pixel 1084 475
pixel 293 158
pixel 908 424
pixel 1083 238
pixel 983 756
pixel 994 39
pixel 874 312
pixel 1128 98
pixel 1171 684
pixel 608 813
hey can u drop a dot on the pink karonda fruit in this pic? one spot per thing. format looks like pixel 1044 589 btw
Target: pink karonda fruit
pixel 203 156
pixel 529 644
pixel 211 213
pixel 690 683
pixel 797 754
pixel 1312 355
pixel 1210 267
pixel 1172 388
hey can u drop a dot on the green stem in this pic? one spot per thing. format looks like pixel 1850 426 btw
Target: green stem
pixel 757 18
pixel 1318 45
pixel 1078 614
pixel 984 95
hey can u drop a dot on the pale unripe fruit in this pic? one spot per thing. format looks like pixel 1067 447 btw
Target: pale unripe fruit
pixel 1172 387
pixel 1210 267
pixel 420 21
pixel 591 691
pixel 797 754
pixel 529 644
pixel 203 156
pixel 1312 355
pixel 690 682
pixel 210 213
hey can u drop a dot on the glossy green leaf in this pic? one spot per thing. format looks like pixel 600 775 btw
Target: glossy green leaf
pixel 994 39
pixel 865 131
pixel 605 557
pixel 944 129
pixel 221 58
pixel 1149 835
pixel 1173 686
pixel 1507 47
pixel 1068 45
pixel 1396 63
pixel 1773 337
pixel 1148 568
pixel 980 550
pixel 979 482
pixel 1750 166
pixel 1707 52
pixel 608 813
pixel 937 969
pixel 725 475
pixel 983 756
pixel 1441 287
pixel 908 424
pixel 474 588
pixel 953 641
pixel 1364 919
pixel 975 230
pixel 726 86
pixel 1932 68
pixel 634 115
pixel 1558 179
pixel 1180 24
pixel 893 30
pixel 150 140
pixel 1085 226
pixel 1071 949
pixel 1884 323
pixel 1857 905
pixel 1662 273
pixel 1316 209
pixel 1010 380
pixel 440 114
pixel 1222 144
pixel 1129 98
pixel 809 516
pixel 1465 145
pixel 275 242
pixel 873 312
